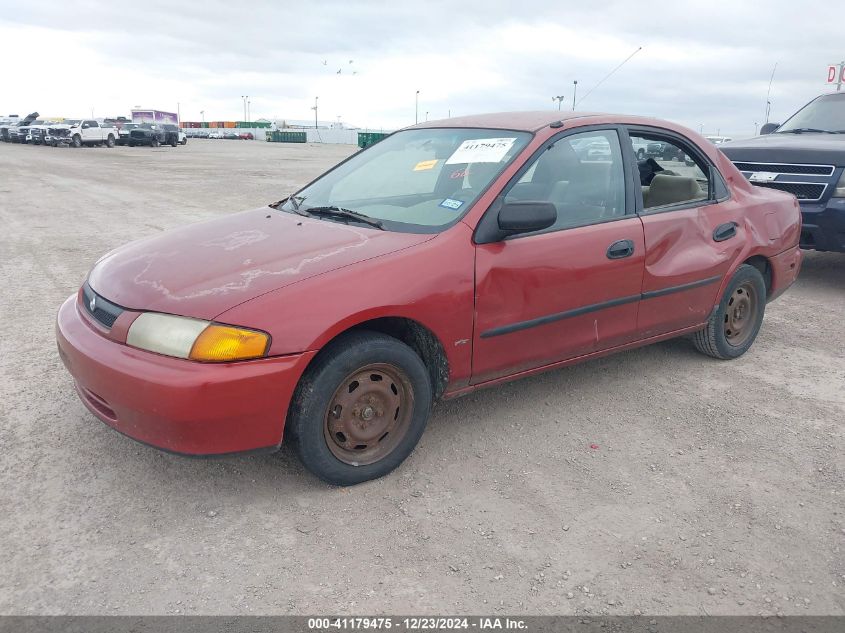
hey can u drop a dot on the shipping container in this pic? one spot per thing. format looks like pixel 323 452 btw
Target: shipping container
pixel 365 139
pixel 283 136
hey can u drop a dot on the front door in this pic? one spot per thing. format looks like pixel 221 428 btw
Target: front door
pixel 571 289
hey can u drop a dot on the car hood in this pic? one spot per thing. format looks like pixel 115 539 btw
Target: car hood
pixel 807 148
pixel 202 270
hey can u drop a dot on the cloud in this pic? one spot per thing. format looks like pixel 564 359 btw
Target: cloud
pixel 702 63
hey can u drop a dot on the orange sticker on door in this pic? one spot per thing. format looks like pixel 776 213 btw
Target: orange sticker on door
pixel 425 164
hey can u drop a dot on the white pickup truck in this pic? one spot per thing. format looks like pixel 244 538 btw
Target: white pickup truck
pixel 91 132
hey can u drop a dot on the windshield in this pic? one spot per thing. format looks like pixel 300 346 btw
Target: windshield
pixel 826 114
pixel 415 180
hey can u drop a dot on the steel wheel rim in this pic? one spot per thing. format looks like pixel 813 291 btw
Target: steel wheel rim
pixel 741 314
pixel 369 414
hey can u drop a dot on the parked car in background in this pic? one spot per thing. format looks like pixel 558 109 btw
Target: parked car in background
pixel 183 137
pixel 25 131
pixel 232 136
pixel 215 135
pixel 91 132
pixel 13 131
pixel 59 133
pixel 532 257
pixel 154 134
pixel 123 132
pixel 805 157
pixel 718 140
pixel 246 136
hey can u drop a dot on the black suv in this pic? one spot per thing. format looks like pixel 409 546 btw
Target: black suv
pixel 805 157
pixel 154 134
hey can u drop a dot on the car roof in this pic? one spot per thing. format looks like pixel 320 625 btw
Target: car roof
pixel 533 121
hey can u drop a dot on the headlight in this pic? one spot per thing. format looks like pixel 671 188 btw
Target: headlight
pixel 839 192
pixel 195 339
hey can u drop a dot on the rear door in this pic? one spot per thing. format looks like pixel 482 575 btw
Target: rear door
pixel 571 289
pixel 693 231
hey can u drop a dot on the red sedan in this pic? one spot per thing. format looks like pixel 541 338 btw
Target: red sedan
pixel 450 256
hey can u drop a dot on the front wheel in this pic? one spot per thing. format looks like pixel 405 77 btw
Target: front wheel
pixel 77 141
pixel 734 325
pixel 110 141
pixel 154 142
pixel 360 408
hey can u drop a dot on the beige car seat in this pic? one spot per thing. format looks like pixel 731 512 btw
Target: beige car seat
pixel 668 189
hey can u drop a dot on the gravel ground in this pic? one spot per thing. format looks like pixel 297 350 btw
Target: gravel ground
pixel 715 488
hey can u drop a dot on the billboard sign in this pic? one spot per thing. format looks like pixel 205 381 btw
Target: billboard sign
pixel 154 116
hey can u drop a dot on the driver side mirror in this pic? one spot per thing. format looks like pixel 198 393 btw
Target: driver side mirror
pixel 768 128
pixel 515 217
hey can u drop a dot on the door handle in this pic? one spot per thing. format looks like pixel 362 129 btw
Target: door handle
pixel 724 231
pixel 620 249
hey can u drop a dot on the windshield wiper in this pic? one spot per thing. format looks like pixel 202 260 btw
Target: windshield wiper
pixel 802 130
pixel 340 212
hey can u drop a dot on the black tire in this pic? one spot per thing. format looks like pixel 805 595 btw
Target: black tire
pixel 154 142
pixel 718 339
pixel 308 418
pixel 174 142
pixel 110 141
pixel 76 141
pixel 185 141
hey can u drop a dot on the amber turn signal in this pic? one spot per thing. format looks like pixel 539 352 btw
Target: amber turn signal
pixel 219 343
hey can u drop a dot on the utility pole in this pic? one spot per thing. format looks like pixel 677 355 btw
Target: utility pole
pixel 315 112
pixel 248 113
pixel 178 115
pixel 559 100
pixel 417 108
pixel 574 92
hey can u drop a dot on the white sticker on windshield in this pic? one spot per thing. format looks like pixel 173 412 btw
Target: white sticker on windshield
pixel 481 150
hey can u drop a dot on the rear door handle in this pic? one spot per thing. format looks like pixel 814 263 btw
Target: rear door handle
pixel 724 231
pixel 620 249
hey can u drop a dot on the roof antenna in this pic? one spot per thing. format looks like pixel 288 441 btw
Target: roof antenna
pixel 607 76
pixel 769 93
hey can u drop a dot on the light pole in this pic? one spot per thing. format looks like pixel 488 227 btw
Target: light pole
pixel 248 113
pixel 426 115
pixel 202 114
pixel 315 111
pixel 243 102
pixel 417 108
pixel 178 115
pixel 559 100
pixel 574 92
pixel 755 128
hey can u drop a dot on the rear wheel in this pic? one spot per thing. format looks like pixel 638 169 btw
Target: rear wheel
pixel 110 141
pixel 734 325
pixel 361 408
pixel 154 142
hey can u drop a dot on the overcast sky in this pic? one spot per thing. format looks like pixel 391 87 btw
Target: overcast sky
pixel 702 62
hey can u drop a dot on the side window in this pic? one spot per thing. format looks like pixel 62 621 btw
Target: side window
pixel 669 175
pixel 582 175
pixel 90 124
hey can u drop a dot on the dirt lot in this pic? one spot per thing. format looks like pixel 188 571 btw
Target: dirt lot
pixel 716 487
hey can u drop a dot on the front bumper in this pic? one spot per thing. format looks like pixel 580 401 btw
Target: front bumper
pixel 823 225
pixel 174 404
